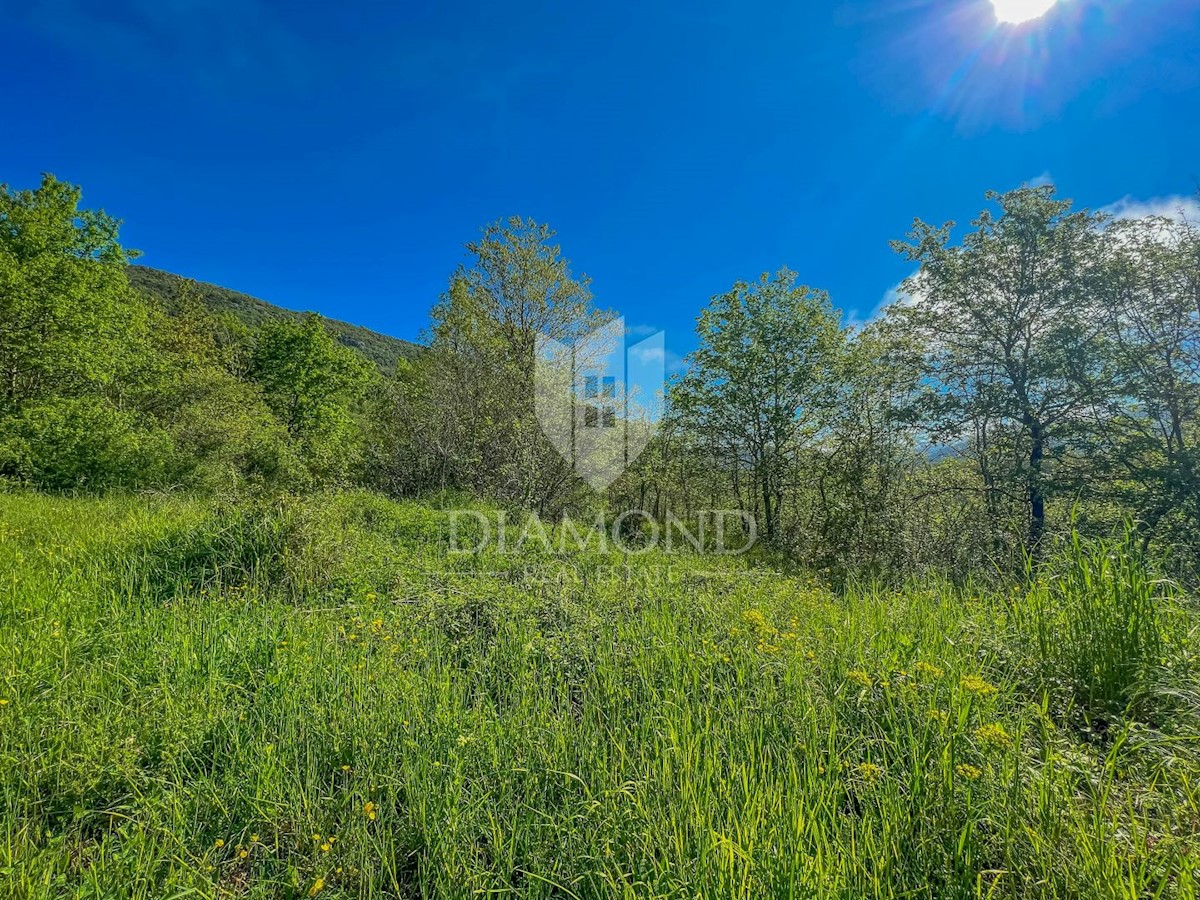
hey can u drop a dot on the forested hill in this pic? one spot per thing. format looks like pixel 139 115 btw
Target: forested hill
pixel 381 349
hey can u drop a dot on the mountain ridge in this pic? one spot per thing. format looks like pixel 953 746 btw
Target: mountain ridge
pixel 382 349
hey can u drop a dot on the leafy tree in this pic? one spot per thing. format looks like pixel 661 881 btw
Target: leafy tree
pixel 480 364
pixel 1151 315
pixel 1007 323
pixel 66 311
pixel 312 384
pixel 867 462
pixel 758 386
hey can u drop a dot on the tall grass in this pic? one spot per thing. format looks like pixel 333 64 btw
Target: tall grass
pixel 1097 614
pixel 316 700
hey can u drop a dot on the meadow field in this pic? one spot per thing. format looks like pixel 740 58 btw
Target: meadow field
pixel 314 698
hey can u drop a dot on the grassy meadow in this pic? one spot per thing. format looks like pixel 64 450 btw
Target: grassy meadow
pixel 313 698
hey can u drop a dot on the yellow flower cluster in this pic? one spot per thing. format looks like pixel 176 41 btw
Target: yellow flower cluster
pixel 860 677
pixel 928 669
pixel 973 684
pixel 869 772
pixel 994 735
pixel 968 771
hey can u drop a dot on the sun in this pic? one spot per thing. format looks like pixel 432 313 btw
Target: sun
pixel 1014 12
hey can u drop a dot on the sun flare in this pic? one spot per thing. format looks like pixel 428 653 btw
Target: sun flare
pixel 1014 12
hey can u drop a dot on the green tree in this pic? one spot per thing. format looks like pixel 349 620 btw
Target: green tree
pixel 312 384
pixel 1151 315
pixel 758 386
pixel 66 311
pixel 478 372
pixel 1010 336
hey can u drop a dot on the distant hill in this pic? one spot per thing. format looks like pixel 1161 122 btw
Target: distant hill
pixel 381 349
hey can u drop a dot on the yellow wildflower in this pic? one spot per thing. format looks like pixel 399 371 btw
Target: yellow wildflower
pixel 316 888
pixel 326 847
pixel 975 685
pixel 369 810
pixel 924 668
pixel 967 771
pixel 858 676
pixel 219 843
pixel 869 772
pixel 939 715
pixel 994 735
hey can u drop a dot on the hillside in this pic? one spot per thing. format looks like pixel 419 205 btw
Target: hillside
pixel 381 349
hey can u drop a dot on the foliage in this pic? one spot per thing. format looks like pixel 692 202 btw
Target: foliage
pixel 312 383
pixel 760 382
pixel 68 323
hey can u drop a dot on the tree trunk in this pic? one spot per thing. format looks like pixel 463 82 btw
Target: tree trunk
pixel 1037 499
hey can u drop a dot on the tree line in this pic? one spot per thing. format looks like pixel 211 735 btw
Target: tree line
pixel 1041 373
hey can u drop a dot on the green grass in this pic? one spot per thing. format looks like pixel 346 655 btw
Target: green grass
pixel 219 701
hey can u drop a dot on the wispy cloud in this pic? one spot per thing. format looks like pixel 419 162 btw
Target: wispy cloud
pixel 896 295
pixel 1176 207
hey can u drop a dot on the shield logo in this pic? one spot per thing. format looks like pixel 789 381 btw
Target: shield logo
pixel 598 400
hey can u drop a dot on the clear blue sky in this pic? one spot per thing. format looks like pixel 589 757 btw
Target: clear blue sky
pixel 332 158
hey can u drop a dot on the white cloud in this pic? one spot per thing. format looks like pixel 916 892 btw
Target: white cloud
pixel 896 295
pixel 1176 208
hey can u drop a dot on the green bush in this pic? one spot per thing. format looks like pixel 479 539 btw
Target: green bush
pixel 82 443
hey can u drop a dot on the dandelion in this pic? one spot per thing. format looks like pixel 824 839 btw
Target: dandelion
pixel 369 810
pixel 924 668
pixel 316 888
pixel 967 771
pixel 994 735
pixel 858 676
pixel 973 684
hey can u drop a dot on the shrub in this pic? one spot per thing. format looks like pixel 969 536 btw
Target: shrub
pixel 67 444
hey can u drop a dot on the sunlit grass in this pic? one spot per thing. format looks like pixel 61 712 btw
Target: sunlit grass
pixel 314 699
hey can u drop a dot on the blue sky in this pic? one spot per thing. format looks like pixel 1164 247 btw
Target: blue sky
pixel 332 158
